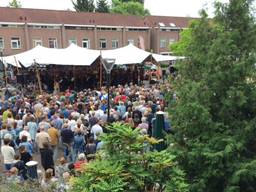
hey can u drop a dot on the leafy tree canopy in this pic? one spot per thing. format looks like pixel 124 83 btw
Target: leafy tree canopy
pixel 129 8
pixel 214 115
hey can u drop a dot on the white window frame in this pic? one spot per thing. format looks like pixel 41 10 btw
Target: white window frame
pixel 130 41
pixel 73 40
pixel 163 43
pixel 2 43
pixel 55 42
pixel 15 40
pixel 87 42
pixel 37 42
pixel 101 43
pixel 114 43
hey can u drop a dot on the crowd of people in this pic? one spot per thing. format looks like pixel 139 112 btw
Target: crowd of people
pixel 62 130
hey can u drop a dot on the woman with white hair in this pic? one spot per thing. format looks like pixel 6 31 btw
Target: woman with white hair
pixel 143 124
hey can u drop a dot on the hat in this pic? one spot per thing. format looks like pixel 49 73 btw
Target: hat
pixel 81 156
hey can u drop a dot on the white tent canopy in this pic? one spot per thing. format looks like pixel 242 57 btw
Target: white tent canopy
pixel 126 55
pixel 78 56
pixel 75 55
pixel 39 54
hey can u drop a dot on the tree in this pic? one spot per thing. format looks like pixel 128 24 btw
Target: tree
pixel 84 5
pixel 185 39
pixel 102 6
pixel 129 8
pixel 139 1
pixel 125 164
pixel 214 115
pixel 15 4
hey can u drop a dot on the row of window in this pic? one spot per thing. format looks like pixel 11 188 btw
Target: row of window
pixel 15 43
pixel 52 43
pixel 163 42
pixel 75 27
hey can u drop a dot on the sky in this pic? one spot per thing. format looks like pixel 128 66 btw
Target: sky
pixel 182 8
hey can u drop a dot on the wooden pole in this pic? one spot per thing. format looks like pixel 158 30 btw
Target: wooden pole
pixel 5 75
pixel 38 78
pixel 16 64
pixel 100 69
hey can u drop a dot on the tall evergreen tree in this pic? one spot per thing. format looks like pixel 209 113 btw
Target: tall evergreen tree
pixel 215 114
pixel 102 6
pixel 15 4
pixel 84 5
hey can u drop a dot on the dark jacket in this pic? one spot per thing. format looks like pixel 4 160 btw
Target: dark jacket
pixel 47 158
pixel 67 136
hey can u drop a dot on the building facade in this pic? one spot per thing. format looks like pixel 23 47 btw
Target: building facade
pixel 22 29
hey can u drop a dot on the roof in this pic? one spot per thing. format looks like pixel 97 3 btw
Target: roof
pixel 167 21
pixel 20 15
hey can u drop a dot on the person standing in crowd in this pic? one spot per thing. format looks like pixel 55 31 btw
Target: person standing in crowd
pixel 96 129
pixel 90 149
pixel 28 146
pixel 8 154
pixel 79 144
pixel 67 138
pixel 32 129
pixel 54 135
pixel 24 155
pixel 42 137
pixel 47 157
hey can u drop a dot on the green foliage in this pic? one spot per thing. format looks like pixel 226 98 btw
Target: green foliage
pixel 126 164
pixel 179 47
pixel 214 115
pixel 129 8
pixel 84 5
pixel 15 4
pixel 102 6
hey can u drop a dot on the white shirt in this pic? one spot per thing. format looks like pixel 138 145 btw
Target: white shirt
pixel 72 125
pixel 26 133
pixel 8 153
pixel 96 129
pixel 99 113
pixel 19 123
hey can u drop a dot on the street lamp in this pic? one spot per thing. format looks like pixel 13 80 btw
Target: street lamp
pixel 108 65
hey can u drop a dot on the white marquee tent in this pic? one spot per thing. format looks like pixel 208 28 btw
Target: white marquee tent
pixel 78 56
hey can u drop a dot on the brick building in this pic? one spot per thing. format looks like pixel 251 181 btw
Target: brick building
pixel 22 29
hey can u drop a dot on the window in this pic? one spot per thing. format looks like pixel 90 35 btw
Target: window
pixel 15 43
pixel 162 43
pixel 86 43
pixel 1 43
pixel 37 42
pixel 130 41
pixel 114 43
pixel 73 40
pixel 103 43
pixel 171 41
pixel 53 43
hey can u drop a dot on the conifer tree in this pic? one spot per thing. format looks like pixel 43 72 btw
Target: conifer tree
pixel 84 5
pixel 15 4
pixel 215 115
pixel 102 6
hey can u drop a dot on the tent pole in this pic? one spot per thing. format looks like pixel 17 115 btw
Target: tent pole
pixel 5 75
pixel 16 64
